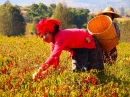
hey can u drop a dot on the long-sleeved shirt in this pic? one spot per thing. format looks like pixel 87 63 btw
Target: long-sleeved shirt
pixel 66 39
pixel 117 29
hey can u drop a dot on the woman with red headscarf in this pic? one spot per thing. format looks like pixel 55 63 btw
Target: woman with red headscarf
pixel 84 48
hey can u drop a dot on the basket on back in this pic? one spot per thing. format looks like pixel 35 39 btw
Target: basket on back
pixel 102 27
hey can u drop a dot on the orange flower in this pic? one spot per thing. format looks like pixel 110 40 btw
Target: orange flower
pixel 4 70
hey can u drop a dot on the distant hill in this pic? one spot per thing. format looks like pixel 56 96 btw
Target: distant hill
pixel 96 6
pixel 99 5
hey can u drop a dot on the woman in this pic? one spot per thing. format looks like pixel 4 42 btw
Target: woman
pixel 111 57
pixel 84 48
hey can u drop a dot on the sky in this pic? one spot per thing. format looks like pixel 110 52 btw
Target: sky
pixel 90 4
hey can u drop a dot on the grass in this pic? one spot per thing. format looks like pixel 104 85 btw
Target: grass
pixel 20 57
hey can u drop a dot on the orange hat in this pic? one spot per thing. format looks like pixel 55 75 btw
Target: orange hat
pixel 109 10
pixel 47 25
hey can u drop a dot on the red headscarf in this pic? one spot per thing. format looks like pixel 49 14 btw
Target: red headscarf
pixel 47 25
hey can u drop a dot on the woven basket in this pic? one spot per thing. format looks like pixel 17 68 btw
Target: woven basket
pixel 102 27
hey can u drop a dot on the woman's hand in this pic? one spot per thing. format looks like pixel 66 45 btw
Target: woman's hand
pixel 40 74
pixel 44 67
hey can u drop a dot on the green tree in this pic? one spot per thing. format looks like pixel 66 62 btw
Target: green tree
pixel 33 27
pixel 32 12
pixel 11 21
pixel 80 16
pixel 90 17
pixel 51 9
pixel 37 10
pixel 42 10
pixel 3 20
pixel 63 14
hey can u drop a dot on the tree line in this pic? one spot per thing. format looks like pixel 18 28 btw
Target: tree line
pixel 13 22
pixel 70 17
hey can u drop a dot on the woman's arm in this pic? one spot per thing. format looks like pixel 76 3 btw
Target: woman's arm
pixel 54 57
pixel 117 30
pixel 52 60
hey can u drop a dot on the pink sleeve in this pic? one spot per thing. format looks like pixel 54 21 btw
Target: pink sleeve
pixel 54 57
pixel 117 30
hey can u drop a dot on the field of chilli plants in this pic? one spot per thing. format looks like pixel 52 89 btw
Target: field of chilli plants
pixel 20 57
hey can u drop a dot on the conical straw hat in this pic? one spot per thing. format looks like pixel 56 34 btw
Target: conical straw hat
pixel 109 10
